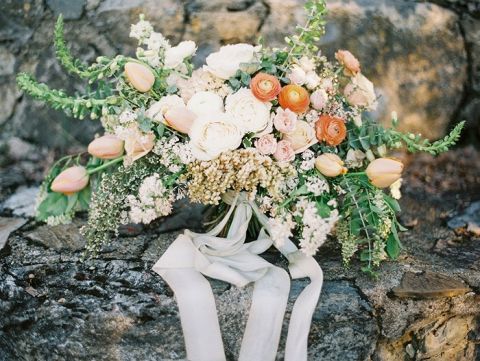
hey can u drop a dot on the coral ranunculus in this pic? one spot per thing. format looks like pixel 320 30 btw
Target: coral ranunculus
pixel 295 98
pixel 265 87
pixel 331 130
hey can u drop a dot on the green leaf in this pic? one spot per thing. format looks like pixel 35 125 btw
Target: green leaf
pixel 392 202
pixel 160 130
pixel 247 143
pixel 84 198
pixel 323 210
pixel 71 202
pixel 393 246
pixel 54 204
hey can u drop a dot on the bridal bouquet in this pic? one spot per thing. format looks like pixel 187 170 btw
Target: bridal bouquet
pixel 288 127
pixel 280 139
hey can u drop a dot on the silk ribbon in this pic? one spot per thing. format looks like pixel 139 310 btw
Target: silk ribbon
pixel 193 255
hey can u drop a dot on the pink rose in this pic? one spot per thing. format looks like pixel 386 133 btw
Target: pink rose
pixel 297 75
pixel 266 144
pixel 318 99
pixel 285 120
pixel 284 152
pixel 327 85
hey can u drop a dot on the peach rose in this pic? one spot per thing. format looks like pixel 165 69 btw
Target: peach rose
pixel 70 181
pixel 295 98
pixel 266 144
pixel 360 92
pixel 350 64
pixel 331 130
pixel 285 120
pixel 265 87
pixel 284 151
pixel 108 146
pixel 302 137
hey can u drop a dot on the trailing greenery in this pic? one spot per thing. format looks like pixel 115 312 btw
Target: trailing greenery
pixel 305 41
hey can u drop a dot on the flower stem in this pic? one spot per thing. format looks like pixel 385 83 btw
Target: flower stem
pixel 105 165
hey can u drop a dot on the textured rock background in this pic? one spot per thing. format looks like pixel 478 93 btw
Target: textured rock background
pixel 55 308
pixel 424 56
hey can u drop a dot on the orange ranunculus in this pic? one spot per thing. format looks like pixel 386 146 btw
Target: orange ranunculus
pixel 294 97
pixel 331 130
pixel 265 87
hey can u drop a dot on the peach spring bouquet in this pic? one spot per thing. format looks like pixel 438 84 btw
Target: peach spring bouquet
pixel 288 127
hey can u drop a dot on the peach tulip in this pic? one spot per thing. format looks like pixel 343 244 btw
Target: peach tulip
pixel 180 118
pixel 330 165
pixel 107 147
pixel 139 76
pixel 71 180
pixel 383 172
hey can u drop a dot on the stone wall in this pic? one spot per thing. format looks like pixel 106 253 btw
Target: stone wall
pixel 423 56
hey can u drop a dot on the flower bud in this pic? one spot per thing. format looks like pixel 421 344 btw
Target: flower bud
pixel 382 172
pixel 70 181
pixel 139 76
pixel 180 118
pixel 330 165
pixel 107 147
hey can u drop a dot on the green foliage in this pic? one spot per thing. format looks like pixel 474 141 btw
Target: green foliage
pixel 306 37
pixel 77 107
pixel 415 143
pixel 369 223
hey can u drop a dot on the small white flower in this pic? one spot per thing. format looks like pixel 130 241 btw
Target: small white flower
pixel 225 62
pixel 395 189
pixel 204 103
pixel 307 64
pixel 177 54
pixel 312 80
pixel 354 158
pixel 141 30
pixel 297 75
pixel 157 41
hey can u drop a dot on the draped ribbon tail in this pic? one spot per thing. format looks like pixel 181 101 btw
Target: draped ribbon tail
pixel 302 266
pixel 264 325
pixel 198 313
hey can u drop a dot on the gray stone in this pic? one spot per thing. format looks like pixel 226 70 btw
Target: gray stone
pixel 469 218
pixel 7 226
pixel 63 236
pixel 70 10
pixel 22 202
pixel 7 62
pixel 8 100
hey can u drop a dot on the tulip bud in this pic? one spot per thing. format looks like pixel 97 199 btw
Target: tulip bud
pixel 70 181
pixel 330 165
pixel 139 76
pixel 107 147
pixel 382 172
pixel 180 118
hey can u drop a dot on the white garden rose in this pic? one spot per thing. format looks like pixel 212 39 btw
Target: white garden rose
pixel 361 93
pixel 158 109
pixel 213 134
pixel 205 103
pixel 225 62
pixel 249 113
pixel 174 56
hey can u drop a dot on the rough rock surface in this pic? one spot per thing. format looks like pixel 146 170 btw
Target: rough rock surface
pixel 424 56
pixel 55 307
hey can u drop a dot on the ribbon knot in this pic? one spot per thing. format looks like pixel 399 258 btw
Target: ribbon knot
pixel 232 260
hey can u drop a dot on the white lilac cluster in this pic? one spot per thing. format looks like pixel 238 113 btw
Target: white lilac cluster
pixel 308 160
pixel 280 228
pixel 316 185
pixel 154 200
pixel 173 153
pixel 315 228
pixel 395 189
